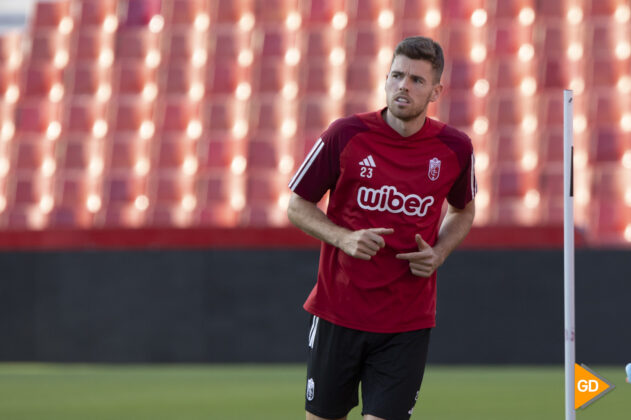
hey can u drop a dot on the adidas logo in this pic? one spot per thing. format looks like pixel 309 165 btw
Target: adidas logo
pixel 368 161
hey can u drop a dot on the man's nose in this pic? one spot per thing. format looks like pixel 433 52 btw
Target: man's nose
pixel 403 83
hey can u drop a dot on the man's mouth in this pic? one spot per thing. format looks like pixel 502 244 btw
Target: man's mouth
pixel 402 100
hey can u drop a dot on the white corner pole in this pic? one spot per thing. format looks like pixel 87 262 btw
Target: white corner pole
pixel 568 251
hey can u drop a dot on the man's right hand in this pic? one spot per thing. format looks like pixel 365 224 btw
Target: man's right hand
pixel 364 243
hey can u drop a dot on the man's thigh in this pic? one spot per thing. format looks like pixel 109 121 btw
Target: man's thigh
pixel 333 369
pixel 393 373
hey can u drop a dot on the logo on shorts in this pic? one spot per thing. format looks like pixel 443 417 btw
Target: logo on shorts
pixel 434 169
pixel 310 389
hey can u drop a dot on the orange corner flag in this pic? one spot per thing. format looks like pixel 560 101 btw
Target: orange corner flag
pixel 588 386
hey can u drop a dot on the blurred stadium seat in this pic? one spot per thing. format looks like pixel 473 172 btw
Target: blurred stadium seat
pixel 176 113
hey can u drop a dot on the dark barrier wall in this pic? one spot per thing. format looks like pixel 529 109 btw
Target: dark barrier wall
pixel 246 306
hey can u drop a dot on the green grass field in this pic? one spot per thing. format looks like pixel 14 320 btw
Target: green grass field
pixel 225 392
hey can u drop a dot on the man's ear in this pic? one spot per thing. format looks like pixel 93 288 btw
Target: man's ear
pixel 436 91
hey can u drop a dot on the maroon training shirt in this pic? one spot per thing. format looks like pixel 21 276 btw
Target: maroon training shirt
pixel 380 179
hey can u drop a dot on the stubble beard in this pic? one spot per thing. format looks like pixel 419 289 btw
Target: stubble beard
pixel 412 114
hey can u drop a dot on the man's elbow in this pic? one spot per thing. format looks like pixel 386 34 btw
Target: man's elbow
pixel 293 208
pixel 471 209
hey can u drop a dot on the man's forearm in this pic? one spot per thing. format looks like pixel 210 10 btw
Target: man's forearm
pixel 454 229
pixel 310 219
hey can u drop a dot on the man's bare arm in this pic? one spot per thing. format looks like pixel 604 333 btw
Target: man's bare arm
pixel 362 244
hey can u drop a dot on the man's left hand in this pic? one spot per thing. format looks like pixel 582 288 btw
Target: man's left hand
pixel 424 262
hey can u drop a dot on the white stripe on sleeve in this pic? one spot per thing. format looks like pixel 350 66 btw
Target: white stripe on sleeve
pixel 315 150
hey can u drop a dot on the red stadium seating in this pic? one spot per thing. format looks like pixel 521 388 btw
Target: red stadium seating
pixel 553 73
pixel 180 78
pixel 122 189
pixel 551 10
pixel 83 114
pixel 27 190
pixel 93 13
pixel 29 156
pixel 169 155
pixel 319 43
pixel 608 145
pixel 507 40
pixel 8 77
pixel 362 44
pixel 274 45
pixel 216 153
pixel 48 15
pixel 367 11
pixel 219 115
pixel 234 172
pixel 35 116
pixel 182 43
pixel 229 11
pixel 227 43
pixel 140 12
pixel 124 154
pixel 272 12
pixel 508 9
pixel 554 42
pixel 607 109
pixel 266 115
pixel 39 80
pixel 89 45
pixel 131 78
pixel 214 188
pixel 10 42
pixel 217 215
pixel 75 155
pixel 86 79
pixel 321 12
pixel 131 114
pixel 551 150
pixel 177 114
pixel 604 72
pixel 184 12
pixel 168 190
pixel 315 115
pixel 271 78
pixel 262 154
pixel 463 74
pixel 604 8
pixel 223 77
pixel 45 45
pixel 264 188
pixel 135 43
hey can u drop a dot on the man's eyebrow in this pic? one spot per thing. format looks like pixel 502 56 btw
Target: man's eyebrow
pixel 417 77
pixel 413 76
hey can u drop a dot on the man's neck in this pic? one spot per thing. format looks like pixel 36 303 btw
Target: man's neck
pixel 405 128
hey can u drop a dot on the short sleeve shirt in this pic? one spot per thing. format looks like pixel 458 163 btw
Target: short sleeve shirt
pixel 380 179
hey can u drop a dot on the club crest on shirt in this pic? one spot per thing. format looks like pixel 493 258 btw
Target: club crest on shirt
pixel 434 169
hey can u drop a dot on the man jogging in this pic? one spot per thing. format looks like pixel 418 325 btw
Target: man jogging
pixel 374 303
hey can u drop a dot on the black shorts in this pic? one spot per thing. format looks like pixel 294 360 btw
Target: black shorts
pixel 389 367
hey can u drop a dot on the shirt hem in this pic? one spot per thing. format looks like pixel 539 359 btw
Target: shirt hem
pixel 420 325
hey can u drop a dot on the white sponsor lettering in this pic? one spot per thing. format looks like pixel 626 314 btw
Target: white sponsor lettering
pixel 387 198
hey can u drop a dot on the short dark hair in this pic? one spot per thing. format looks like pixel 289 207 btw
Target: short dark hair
pixel 423 48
